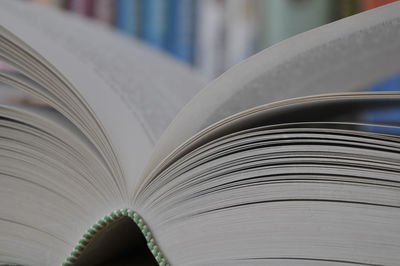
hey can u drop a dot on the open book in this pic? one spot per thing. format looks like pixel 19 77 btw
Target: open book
pixel 259 168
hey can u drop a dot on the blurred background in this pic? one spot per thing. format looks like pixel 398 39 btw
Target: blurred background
pixel 213 35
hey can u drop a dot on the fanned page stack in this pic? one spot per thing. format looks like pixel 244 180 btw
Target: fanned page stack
pixel 260 168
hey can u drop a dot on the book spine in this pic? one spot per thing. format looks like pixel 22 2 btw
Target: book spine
pixel 180 30
pixel 345 8
pixel 82 7
pixel 60 4
pixel 126 16
pixel 154 22
pixel 240 31
pixel 90 8
pixel 384 116
pixel 285 18
pixel 210 37
pixel 104 10
pixel 78 6
pixel 370 4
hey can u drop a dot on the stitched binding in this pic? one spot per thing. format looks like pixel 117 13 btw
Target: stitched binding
pixel 112 217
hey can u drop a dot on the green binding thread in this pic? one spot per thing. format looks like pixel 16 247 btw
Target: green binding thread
pixel 151 243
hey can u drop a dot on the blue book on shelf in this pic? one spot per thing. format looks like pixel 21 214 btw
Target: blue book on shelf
pixel 127 16
pixel 180 29
pixel 389 115
pixel 154 22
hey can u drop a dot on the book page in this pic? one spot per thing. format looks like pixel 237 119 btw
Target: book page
pixel 346 55
pixel 133 91
pixel 47 194
pixel 211 199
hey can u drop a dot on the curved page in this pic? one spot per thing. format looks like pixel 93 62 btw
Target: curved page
pixel 346 55
pixel 134 92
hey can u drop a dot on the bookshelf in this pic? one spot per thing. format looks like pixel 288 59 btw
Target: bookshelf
pixel 213 35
